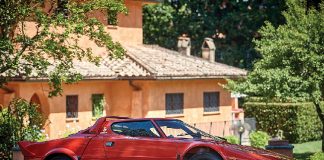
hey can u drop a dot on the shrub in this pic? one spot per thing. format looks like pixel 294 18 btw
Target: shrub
pixel 69 130
pixel 19 121
pixel 298 121
pixel 232 139
pixel 259 139
pixel 317 156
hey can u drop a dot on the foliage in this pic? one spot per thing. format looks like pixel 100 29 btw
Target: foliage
pixel 232 24
pixel 68 132
pixel 51 50
pixel 19 121
pixel 292 64
pixel 70 129
pixel 298 121
pixel 98 104
pixel 259 139
pixel 317 156
pixel 232 139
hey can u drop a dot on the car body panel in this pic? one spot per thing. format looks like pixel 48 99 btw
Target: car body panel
pixel 102 143
pixel 128 148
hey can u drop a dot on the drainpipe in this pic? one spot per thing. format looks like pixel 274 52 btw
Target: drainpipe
pixel 135 88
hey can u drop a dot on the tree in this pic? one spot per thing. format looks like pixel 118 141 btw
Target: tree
pixel 51 50
pixel 292 64
pixel 231 23
pixel 19 121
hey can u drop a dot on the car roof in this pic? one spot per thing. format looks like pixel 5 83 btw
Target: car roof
pixel 98 125
pixel 117 118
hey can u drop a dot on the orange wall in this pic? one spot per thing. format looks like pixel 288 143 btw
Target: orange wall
pixel 120 98
pixel 129 28
pixel 123 100
pixel 193 100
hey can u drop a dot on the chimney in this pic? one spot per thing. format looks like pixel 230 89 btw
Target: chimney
pixel 184 45
pixel 208 49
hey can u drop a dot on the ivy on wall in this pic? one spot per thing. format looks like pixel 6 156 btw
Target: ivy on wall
pixel 98 104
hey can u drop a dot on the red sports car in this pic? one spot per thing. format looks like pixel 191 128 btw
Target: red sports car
pixel 119 138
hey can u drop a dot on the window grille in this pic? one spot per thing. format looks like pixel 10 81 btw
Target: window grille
pixel 211 101
pixel 174 103
pixel 72 106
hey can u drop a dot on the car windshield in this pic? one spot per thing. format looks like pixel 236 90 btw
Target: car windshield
pixel 179 129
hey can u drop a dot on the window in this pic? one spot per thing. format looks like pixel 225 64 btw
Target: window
pixel 72 106
pixel 174 103
pixel 62 7
pixel 112 17
pixel 98 104
pixel 211 101
pixel 135 129
pixel 175 129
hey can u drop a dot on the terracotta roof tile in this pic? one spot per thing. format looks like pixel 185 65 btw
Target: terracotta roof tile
pixel 111 68
pixel 154 62
pixel 164 63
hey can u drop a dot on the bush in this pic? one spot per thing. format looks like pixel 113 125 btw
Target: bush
pixel 317 156
pixel 19 121
pixel 259 139
pixel 232 139
pixel 298 121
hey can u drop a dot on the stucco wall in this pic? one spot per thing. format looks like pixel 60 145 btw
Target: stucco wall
pixel 141 98
pixel 129 28
pixel 193 100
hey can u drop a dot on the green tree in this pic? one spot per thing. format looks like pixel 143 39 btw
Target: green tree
pixel 19 121
pixel 50 51
pixel 292 64
pixel 231 23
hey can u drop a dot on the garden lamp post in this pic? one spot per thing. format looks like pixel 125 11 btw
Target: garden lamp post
pixel 241 130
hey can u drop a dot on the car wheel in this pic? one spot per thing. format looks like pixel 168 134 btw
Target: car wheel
pixel 60 157
pixel 205 156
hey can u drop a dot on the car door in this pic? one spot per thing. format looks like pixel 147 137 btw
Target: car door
pixel 138 140
pixel 95 149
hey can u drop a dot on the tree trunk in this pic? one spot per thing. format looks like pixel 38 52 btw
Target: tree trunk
pixel 321 117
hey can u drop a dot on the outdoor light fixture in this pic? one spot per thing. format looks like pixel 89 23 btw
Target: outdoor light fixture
pixel 241 130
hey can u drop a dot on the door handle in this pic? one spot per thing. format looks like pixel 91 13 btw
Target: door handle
pixel 109 144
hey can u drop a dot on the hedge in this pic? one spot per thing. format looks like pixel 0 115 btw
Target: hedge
pixel 298 121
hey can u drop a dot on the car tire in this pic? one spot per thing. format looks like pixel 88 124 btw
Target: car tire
pixel 60 157
pixel 205 156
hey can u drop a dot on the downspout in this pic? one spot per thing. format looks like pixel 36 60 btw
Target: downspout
pixel 135 88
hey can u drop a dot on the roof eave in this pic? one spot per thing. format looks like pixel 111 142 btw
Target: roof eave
pixel 200 77
pixel 163 77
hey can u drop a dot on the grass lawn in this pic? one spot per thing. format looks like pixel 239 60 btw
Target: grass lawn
pixel 304 150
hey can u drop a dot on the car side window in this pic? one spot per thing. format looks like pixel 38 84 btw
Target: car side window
pixel 135 129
